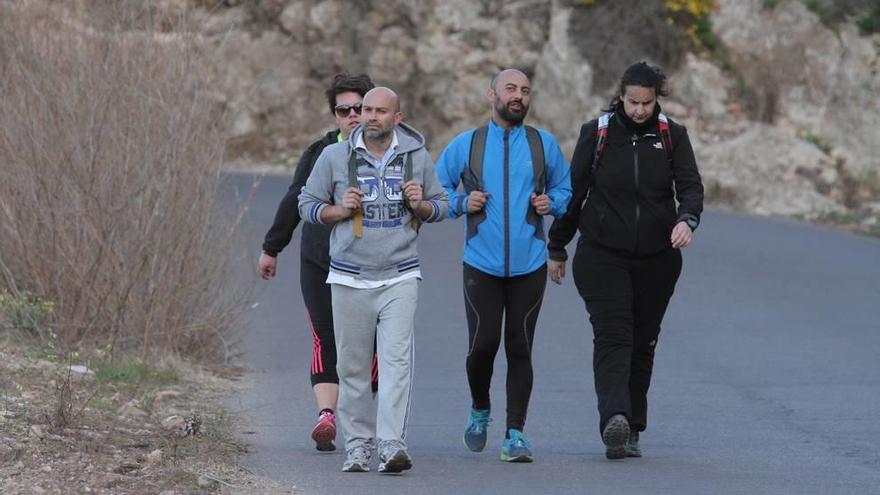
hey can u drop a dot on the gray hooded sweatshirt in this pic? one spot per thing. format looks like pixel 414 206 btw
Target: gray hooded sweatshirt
pixel 387 248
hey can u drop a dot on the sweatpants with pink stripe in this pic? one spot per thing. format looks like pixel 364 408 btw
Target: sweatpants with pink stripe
pixel 386 314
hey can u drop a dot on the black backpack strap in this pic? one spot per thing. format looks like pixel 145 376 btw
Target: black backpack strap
pixel 536 148
pixel 472 176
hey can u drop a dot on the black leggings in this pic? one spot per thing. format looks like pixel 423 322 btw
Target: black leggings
pixel 626 298
pixel 316 295
pixel 518 300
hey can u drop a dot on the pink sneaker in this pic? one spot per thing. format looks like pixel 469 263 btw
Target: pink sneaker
pixel 324 432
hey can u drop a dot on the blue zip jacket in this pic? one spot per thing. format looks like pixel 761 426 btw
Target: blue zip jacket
pixel 505 244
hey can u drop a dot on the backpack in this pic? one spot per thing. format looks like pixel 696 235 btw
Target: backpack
pixel 478 148
pixel 472 176
pixel 415 222
pixel 602 135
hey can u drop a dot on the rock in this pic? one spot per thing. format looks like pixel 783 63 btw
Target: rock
pixel 38 431
pixel 556 105
pixel 765 157
pixel 46 469
pixel 154 457
pixel 173 423
pixel 699 81
pixel 164 395
pixel 81 370
pixel 207 483
pixel 132 409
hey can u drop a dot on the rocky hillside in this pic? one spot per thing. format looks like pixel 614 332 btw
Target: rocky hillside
pixel 784 114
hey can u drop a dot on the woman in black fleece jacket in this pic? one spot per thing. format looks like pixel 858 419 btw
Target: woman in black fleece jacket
pixel 344 96
pixel 628 257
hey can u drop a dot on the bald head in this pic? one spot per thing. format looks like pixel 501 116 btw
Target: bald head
pixel 507 74
pixel 383 96
pixel 510 95
pixel 380 113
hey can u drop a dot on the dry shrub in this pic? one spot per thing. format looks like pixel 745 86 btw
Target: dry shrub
pixel 110 160
pixel 612 34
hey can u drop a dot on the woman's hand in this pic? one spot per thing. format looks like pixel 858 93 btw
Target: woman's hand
pixel 556 271
pixel 682 235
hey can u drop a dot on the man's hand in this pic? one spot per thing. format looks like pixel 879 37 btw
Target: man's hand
pixel 556 270
pixel 351 200
pixel 682 235
pixel 477 201
pixel 268 265
pixel 412 191
pixel 541 203
pixel 350 204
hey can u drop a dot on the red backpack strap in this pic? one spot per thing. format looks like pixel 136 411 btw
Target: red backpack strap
pixel 601 137
pixel 665 135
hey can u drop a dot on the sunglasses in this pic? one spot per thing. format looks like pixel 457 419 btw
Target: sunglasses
pixel 345 110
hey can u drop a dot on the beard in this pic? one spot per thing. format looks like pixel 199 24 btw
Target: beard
pixel 377 134
pixel 514 117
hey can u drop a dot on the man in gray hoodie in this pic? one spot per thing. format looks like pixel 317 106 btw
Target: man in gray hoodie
pixel 376 189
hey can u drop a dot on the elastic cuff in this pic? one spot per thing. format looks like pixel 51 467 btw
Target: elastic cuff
pixel 315 213
pixel 557 255
pixel 692 220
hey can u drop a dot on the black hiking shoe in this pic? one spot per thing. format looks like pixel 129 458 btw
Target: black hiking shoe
pixel 615 435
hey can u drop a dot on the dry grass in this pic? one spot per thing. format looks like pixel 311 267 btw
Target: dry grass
pixel 110 160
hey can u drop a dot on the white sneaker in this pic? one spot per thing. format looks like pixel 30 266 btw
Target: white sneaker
pixel 357 460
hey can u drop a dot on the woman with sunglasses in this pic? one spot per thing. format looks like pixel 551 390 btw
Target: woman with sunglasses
pixel 344 96
pixel 637 197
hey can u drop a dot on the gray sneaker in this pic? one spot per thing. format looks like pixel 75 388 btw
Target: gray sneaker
pixel 632 445
pixel 357 460
pixel 394 459
pixel 615 435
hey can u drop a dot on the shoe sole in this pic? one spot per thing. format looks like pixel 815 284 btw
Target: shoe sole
pixel 518 458
pixel 633 453
pixel 355 468
pixel 324 434
pixel 614 436
pixel 476 448
pixel 398 463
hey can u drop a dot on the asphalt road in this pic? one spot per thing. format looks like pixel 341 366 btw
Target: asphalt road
pixel 767 378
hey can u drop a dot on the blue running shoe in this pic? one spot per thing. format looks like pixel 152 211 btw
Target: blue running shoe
pixel 475 432
pixel 516 448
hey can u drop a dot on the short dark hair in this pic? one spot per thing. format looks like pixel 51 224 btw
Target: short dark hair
pixel 640 74
pixel 343 83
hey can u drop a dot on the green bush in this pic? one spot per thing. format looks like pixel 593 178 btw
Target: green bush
pixel 612 34
pixel 27 312
pixel 834 12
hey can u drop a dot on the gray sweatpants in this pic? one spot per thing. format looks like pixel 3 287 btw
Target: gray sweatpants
pixel 387 312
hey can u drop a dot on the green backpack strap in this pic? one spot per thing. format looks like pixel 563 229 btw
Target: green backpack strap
pixel 358 218
pixel 415 222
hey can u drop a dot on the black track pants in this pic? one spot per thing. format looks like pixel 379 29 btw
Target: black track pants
pixel 316 295
pixel 517 300
pixel 626 298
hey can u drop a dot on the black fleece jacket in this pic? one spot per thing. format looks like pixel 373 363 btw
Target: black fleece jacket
pixel 628 202
pixel 315 238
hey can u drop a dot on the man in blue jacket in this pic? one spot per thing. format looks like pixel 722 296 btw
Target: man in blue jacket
pixel 512 176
